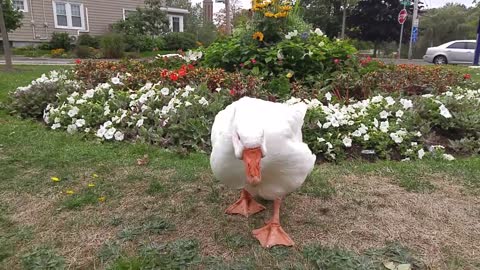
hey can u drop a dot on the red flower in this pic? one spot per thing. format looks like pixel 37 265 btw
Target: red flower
pixel 164 73
pixel 78 61
pixel 232 92
pixel 173 76
pixel 254 61
pixel 467 76
pixel 182 72
pixel 369 58
pixel 241 65
pixel 336 61
pixel 190 66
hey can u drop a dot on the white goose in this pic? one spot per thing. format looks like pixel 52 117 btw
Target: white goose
pixel 258 147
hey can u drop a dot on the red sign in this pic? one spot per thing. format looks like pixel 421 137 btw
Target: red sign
pixel 402 16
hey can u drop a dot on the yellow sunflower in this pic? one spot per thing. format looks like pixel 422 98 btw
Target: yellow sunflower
pixel 281 14
pixel 258 36
pixel 285 8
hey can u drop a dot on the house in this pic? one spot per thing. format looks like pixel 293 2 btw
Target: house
pixel 95 17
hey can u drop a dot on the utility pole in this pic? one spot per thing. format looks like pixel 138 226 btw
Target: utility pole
pixel 477 48
pixel 414 28
pixel 5 41
pixel 228 19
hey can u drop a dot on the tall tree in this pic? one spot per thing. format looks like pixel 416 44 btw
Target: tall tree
pixel 10 19
pixel 324 14
pixel 376 21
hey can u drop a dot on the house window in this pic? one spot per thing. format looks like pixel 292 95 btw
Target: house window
pixel 128 12
pixel 20 5
pixel 68 15
pixel 176 23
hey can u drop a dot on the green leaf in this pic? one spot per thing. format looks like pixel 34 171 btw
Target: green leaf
pixel 268 59
pixel 255 71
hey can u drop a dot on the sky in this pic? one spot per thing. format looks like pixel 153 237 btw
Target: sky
pixel 428 3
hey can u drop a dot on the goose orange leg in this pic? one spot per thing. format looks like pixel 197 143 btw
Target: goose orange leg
pixel 245 206
pixel 273 234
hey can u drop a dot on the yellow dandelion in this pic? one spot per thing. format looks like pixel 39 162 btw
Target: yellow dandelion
pixel 95 175
pixel 258 36
pixel 289 75
pixel 69 192
pixel 91 185
pixel 55 179
pixel 269 14
pixel 101 199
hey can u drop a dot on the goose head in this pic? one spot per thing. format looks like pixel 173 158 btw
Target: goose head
pixel 249 145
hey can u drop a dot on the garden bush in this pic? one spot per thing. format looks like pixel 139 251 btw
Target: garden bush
pixel 89 41
pixel 60 41
pixel 179 40
pixel 31 101
pixel 113 45
pixel 143 43
pixel 83 51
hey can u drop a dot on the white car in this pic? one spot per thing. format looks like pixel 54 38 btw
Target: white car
pixel 453 52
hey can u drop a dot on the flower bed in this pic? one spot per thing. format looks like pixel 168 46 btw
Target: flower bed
pixel 400 128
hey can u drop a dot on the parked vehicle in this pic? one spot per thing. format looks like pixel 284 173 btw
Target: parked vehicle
pixel 453 52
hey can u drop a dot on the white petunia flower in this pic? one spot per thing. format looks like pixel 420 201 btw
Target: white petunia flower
pixel 445 112
pixel 203 101
pixel 384 126
pixel 56 120
pixel 107 124
pixel 405 159
pixel 187 103
pixel 356 133
pixel 71 128
pixel 329 145
pixel 328 96
pixel 421 153
pixel 80 122
pixel 110 132
pixel 390 101
pixel 87 130
pixel 396 138
pixel 320 140
pixel 164 91
pixel 116 80
pixel 428 96
pixel 383 114
pixel 366 137
pixel 407 104
pixel 218 89
pixel 119 136
pixel 72 112
pixel 71 100
pixel 399 113
pixel 56 125
pixel 101 131
pixel 347 142
pixel 448 157
pixel 81 101
pixel 139 122
pixel 377 99
pixel 318 32
pixel 375 122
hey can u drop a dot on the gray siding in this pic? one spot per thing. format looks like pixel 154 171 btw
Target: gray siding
pixel 38 22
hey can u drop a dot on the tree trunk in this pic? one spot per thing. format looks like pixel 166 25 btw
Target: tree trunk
pixel 344 18
pixel 5 41
pixel 375 48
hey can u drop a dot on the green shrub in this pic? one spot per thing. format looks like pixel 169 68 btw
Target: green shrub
pixel 143 43
pixel 45 46
pixel 31 101
pixel 89 41
pixel 60 41
pixel 83 51
pixel 113 45
pixel 179 40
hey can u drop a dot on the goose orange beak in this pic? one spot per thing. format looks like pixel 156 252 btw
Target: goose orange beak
pixel 251 159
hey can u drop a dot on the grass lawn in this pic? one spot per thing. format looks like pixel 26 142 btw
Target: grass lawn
pixel 169 212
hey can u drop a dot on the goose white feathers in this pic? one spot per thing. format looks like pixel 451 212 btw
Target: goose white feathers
pixel 274 130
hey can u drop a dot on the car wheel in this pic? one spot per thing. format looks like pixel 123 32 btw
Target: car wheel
pixel 440 60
